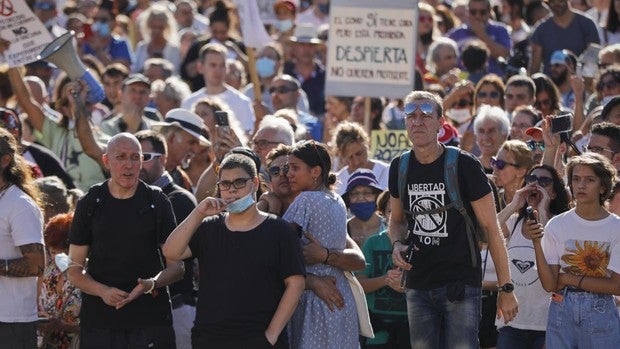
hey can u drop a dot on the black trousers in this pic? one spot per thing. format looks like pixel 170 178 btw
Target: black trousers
pixel 18 335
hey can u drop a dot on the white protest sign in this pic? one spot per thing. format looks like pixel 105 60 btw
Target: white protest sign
pixel 24 30
pixel 371 48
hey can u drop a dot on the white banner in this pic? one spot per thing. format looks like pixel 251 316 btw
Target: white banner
pixel 371 48
pixel 24 30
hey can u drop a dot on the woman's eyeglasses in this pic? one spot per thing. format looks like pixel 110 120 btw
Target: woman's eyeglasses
pixel 275 171
pixel 533 145
pixel 541 180
pixel 238 183
pixel 501 164
pixel 146 157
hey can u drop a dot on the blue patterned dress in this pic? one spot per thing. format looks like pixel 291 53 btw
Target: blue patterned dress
pixel 313 325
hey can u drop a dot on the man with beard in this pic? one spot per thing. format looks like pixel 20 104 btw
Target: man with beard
pixel 563 64
pixel 565 29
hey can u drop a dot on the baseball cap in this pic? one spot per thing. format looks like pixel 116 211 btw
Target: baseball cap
pixel 535 133
pixel 558 57
pixel 136 78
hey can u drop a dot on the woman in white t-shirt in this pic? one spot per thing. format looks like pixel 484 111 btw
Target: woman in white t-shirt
pixel 544 191
pixel 578 259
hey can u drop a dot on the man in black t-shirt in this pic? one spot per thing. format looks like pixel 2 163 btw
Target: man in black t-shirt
pixel 443 288
pixel 119 226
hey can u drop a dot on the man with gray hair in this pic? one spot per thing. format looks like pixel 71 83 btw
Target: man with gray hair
pixel 272 131
pixel 434 242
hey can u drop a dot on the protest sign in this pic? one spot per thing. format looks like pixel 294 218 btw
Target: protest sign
pixel 385 145
pixel 371 48
pixel 24 30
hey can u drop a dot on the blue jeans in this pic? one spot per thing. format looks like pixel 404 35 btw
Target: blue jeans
pixel 515 338
pixel 436 322
pixel 583 320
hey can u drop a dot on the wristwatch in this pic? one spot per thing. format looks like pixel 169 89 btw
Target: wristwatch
pixel 507 287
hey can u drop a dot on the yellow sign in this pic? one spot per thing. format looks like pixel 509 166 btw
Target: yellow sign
pixel 385 145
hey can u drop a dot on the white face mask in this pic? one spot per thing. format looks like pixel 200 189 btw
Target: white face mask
pixel 62 261
pixel 459 115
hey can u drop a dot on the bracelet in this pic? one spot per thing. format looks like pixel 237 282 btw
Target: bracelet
pixel 580 281
pixel 326 258
pixel 152 286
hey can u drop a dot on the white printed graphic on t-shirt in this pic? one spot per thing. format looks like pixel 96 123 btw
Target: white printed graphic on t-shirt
pixel 522 266
pixel 423 197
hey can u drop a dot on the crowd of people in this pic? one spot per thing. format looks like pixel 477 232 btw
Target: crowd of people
pixel 197 207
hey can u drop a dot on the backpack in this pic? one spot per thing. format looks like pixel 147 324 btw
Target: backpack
pixel 454 192
pixel 95 200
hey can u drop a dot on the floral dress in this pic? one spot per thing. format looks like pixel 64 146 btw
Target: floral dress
pixel 313 325
pixel 61 302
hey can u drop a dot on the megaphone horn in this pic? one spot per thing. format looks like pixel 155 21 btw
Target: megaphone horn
pixel 61 52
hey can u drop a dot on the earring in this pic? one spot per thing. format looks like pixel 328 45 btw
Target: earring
pixel 314 180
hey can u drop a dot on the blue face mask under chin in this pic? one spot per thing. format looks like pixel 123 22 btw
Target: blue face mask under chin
pixel 241 204
pixel 363 210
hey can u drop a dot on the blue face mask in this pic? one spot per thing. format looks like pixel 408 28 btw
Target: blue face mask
pixel 265 67
pixel 241 204
pixel 284 25
pixel 324 8
pixel 62 261
pixel 363 210
pixel 102 29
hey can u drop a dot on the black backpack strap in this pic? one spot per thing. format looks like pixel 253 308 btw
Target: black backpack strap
pixel 454 192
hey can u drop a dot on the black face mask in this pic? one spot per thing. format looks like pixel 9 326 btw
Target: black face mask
pixel 427 38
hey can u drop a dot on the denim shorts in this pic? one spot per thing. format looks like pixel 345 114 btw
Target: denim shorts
pixel 437 322
pixel 583 320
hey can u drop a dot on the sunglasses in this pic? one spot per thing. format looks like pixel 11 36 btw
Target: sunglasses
pixel 611 84
pixel 426 108
pixel 146 157
pixel 238 183
pixel 541 180
pixel 501 164
pixel 464 103
pixel 276 171
pixel 281 89
pixel 493 94
pixel 533 145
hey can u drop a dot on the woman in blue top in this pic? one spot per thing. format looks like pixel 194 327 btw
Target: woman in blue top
pixel 326 316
